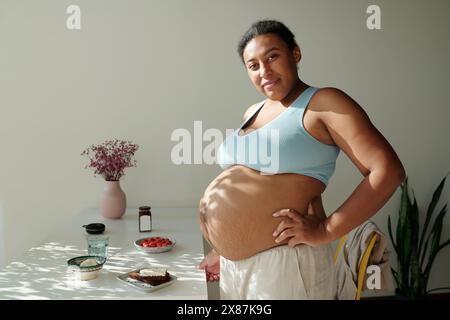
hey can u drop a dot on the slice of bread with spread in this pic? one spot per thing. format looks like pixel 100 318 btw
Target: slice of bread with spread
pixel 152 276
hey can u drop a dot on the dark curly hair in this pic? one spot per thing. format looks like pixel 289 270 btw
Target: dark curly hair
pixel 264 27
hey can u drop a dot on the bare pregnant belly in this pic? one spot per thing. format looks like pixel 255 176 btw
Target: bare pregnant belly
pixel 236 209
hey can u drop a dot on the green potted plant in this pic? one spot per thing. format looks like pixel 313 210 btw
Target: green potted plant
pixel 416 249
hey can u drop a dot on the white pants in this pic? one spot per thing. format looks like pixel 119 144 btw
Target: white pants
pixel 302 272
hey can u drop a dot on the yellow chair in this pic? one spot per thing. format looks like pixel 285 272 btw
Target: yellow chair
pixel 364 260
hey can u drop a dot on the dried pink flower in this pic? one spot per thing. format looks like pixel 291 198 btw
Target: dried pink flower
pixel 110 158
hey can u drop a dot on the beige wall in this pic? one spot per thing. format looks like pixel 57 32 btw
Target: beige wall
pixel 140 69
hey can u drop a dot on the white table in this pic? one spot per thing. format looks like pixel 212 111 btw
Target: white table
pixel 42 272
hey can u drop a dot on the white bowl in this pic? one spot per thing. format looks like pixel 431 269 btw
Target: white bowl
pixel 138 246
pixel 85 273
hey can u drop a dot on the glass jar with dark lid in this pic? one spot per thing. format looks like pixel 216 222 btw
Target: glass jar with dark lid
pixel 145 219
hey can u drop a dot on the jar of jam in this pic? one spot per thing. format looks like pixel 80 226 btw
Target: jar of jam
pixel 145 219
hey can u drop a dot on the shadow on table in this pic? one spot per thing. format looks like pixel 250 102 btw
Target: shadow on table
pixel 46 276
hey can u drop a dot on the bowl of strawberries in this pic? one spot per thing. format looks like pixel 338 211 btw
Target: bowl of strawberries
pixel 154 244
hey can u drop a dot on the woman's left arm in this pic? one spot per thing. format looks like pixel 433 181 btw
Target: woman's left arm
pixel 354 133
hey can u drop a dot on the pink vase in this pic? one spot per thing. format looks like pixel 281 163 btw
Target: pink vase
pixel 113 201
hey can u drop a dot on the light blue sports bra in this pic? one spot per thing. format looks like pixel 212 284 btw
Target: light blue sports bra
pixel 281 146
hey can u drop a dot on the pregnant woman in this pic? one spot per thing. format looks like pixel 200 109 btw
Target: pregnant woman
pixel 263 215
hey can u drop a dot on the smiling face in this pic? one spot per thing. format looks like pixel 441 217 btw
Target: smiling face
pixel 271 65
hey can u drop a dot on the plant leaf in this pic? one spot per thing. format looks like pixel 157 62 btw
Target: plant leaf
pixel 396 278
pixel 400 232
pixel 416 278
pixel 416 275
pixel 443 245
pixel 438 289
pixel 431 207
pixel 407 243
pixel 424 252
pixel 402 211
pixel 431 236
pixel 436 238
pixel 414 219
pixel 390 234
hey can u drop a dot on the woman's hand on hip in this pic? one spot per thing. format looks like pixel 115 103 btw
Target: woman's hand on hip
pixel 299 228
pixel 211 264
